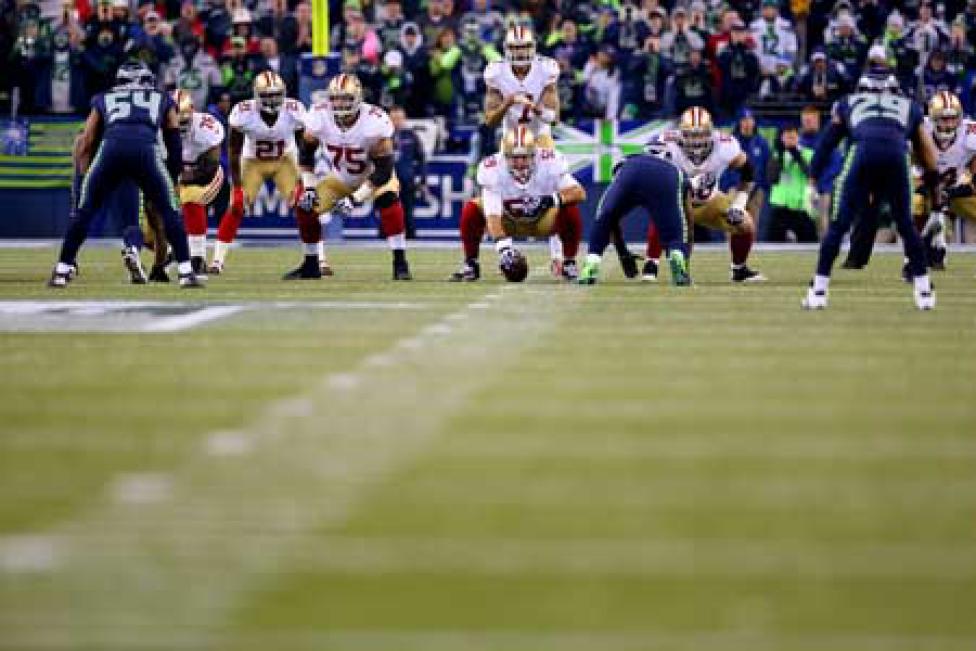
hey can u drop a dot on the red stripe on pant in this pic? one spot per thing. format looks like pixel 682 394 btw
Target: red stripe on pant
pixel 309 226
pixel 195 218
pixel 569 227
pixel 472 229
pixel 229 223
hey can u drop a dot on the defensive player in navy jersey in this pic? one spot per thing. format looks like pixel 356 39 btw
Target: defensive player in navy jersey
pixel 877 122
pixel 657 185
pixel 119 142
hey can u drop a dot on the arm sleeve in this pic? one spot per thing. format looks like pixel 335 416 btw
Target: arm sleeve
pixel 382 170
pixel 174 152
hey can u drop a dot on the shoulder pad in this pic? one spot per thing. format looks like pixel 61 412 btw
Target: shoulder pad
pixel 296 108
pixel 210 129
pixel 240 113
pixel 492 72
pixel 551 69
pixel 488 171
pixel 969 128
pixel 379 124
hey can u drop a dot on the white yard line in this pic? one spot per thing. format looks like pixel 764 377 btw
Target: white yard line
pixel 177 323
pixel 234 512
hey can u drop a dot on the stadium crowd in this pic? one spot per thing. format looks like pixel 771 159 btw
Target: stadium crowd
pixel 631 59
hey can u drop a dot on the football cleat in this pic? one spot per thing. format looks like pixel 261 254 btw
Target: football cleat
pixel 852 264
pixel 59 281
pixel 814 300
pixel 937 256
pixel 570 270
pixel 649 272
pixel 158 274
pixel 401 270
pixel 199 266
pixel 133 264
pixel 556 267
pixel 744 274
pixel 628 263
pixel 469 271
pixel 906 273
pixel 590 273
pixel 191 281
pixel 924 300
pixel 326 268
pixel 680 277
pixel 73 271
pixel 216 268
pixel 309 269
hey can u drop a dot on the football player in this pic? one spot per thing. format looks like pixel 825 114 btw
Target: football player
pixel 655 183
pixel 521 90
pixel 703 153
pixel 955 143
pixel 526 190
pixel 358 140
pixel 119 142
pixel 262 146
pixel 876 121
pixel 202 177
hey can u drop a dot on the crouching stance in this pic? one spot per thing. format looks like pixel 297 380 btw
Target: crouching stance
pixel 658 186
pixel 357 139
pixel 526 190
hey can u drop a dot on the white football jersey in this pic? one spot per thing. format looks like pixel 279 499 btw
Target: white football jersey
pixel 543 72
pixel 263 142
pixel 347 150
pixel 551 174
pixel 704 177
pixel 205 133
pixel 959 154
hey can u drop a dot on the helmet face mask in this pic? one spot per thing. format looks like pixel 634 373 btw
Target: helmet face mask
pixel 184 110
pixel 135 74
pixel 269 92
pixel 945 111
pixel 345 97
pixel 518 147
pixel 519 46
pixel 696 134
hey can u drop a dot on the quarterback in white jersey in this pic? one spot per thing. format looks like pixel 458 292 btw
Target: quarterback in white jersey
pixel 262 146
pixel 357 139
pixel 526 190
pixel 202 176
pixel 704 154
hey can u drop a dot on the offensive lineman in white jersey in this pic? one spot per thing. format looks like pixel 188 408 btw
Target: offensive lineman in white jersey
pixel 955 142
pixel 262 146
pixel 526 190
pixel 703 154
pixel 358 140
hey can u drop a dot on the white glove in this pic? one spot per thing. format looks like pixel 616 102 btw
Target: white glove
pixel 344 206
pixel 735 216
pixel 309 199
pixel 935 224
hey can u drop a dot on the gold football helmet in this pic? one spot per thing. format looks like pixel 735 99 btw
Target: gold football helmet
pixel 518 148
pixel 945 111
pixel 184 109
pixel 269 91
pixel 345 94
pixel 696 127
pixel 519 46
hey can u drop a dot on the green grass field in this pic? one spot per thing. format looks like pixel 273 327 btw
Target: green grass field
pixel 355 464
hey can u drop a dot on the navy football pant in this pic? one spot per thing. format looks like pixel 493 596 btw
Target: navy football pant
pixel 650 183
pixel 883 174
pixel 115 162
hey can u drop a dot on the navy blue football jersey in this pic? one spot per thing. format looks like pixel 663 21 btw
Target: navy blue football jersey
pixel 132 114
pixel 879 118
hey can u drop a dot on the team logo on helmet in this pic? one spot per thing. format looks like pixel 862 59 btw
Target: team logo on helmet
pixel 519 46
pixel 345 97
pixel 696 128
pixel 184 109
pixel 945 111
pixel 269 91
pixel 518 148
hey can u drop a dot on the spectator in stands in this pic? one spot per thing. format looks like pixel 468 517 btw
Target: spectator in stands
pixel 570 88
pixel 103 50
pixel 189 24
pixel 238 70
pixel 757 150
pixel 645 81
pixel 718 41
pixel 195 71
pixel 242 26
pixel 369 75
pixel 435 20
pixel 62 89
pixel 969 19
pixel 416 62
pixel 217 26
pixel 283 64
pixel 410 163
pixel 738 69
pixel 789 174
pixel 359 34
pixel 927 33
pixel 445 58
pixel 656 22
pixel 871 19
pixel 271 18
pixel 822 81
pixel 388 29
pixel 847 47
pixel 475 55
pixel 151 45
pixel 490 21
pixel 627 33
pixel 692 84
pixel 395 80
pixel 810 136
pixel 296 31
pixel 960 54
pixel 698 20
pixel 30 59
pixel 602 87
pixel 678 42
pixel 776 42
pixel 936 77
pixel 570 46
pixel 901 56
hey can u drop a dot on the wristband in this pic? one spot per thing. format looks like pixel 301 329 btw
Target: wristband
pixel 502 244
pixel 362 193
pixel 557 199
pixel 309 180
